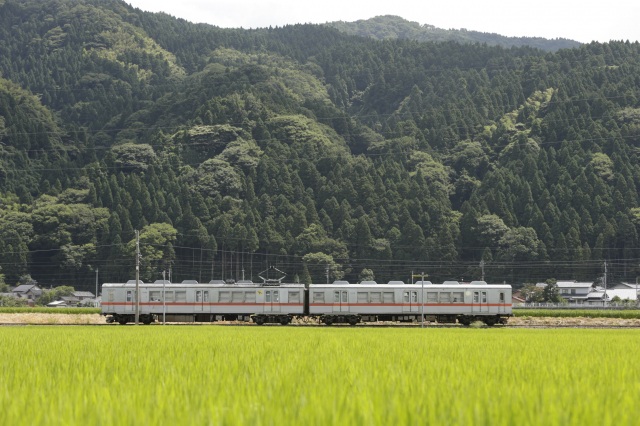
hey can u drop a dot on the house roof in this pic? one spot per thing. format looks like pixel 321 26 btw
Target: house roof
pixel 70 298
pixel 626 285
pixel 573 284
pixel 598 295
pixel 24 288
pixel 83 294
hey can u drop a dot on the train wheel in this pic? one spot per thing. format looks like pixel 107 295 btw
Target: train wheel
pixel 259 320
pixel 284 320
pixel 122 321
pixel 490 321
pixel 328 320
pixel 353 320
pixel 147 319
pixel 466 321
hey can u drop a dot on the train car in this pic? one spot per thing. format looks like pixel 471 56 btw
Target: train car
pixel 449 302
pixel 191 301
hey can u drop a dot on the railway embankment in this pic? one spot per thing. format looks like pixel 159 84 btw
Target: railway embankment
pixel 519 321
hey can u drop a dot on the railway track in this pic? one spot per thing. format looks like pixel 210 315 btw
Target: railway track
pixel 339 326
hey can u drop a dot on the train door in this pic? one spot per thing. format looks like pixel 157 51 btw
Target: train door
pixel 410 302
pixel 340 301
pixel 202 300
pixel 480 301
pixel 272 301
pixel 130 301
pixel 502 308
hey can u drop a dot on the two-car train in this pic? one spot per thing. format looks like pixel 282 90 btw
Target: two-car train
pixel 276 302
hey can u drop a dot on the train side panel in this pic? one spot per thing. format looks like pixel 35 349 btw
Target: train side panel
pixel 408 302
pixel 201 302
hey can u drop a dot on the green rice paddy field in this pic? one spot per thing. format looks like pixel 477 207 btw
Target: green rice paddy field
pixel 195 375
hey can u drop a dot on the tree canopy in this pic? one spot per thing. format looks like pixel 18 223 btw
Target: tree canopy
pixel 306 148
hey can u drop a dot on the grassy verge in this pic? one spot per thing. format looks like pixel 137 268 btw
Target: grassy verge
pixel 45 310
pixel 573 313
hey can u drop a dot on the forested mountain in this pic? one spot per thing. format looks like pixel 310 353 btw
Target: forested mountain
pixel 395 27
pixel 307 149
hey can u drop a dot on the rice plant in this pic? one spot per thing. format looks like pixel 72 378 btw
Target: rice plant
pixel 320 376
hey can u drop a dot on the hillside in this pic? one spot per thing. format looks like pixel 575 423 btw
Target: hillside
pixel 305 148
pixel 395 27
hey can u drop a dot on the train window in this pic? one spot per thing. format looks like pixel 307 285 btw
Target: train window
pixel 363 297
pixel 224 296
pixel 276 296
pixel 432 297
pixel 445 297
pixel 344 297
pixel 484 297
pixel 376 297
pixel 476 297
pixel 198 296
pixel 336 297
pixel 168 296
pixel 267 296
pixel 458 296
pixel 155 296
pixel 414 297
pixel 405 297
pixel 129 296
pixel 237 296
pixel 205 296
pixel 250 297
pixel 318 297
pixel 387 297
pixel 294 297
pixel 181 296
pixel 501 297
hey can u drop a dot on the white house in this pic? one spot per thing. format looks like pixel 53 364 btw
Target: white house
pixel 574 291
pixel 598 297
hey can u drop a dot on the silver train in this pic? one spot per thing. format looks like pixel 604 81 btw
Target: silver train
pixel 340 302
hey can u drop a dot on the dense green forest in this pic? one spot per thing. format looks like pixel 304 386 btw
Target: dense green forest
pixel 307 149
pixel 395 27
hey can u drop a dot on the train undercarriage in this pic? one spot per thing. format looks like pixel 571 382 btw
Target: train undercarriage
pixel 328 319
pixel 466 320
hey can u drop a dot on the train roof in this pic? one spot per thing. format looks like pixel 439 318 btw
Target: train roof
pixel 394 284
pixel 336 284
pixel 195 284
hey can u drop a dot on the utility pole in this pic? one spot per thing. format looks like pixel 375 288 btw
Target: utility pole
pixel 482 268
pixel 137 277
pixel 605 283
pixel 96 287
pixel 164 299
pixel 327 271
